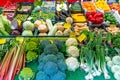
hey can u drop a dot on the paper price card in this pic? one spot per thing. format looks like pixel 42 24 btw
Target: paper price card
pixel 3 40
pixel 82 37
pixel 67 25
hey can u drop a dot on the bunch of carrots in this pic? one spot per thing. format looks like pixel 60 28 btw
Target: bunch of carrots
pixel 13 61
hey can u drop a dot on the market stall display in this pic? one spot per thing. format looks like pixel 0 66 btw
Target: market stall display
pixel 60 40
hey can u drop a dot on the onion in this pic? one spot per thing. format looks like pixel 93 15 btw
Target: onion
pixel 43 28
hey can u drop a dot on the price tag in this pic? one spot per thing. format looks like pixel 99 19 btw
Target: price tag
pixel 67 25
pixel 19 22
pixel 3 40
pixel 72 35
pixel 39 0
pixel 81 37
pixel 20 39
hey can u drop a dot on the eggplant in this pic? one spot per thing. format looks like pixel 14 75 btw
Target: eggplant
pixel 65 13
pixel 63 16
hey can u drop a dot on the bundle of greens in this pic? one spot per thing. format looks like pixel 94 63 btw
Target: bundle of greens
pixel 92 56
pixel 13 61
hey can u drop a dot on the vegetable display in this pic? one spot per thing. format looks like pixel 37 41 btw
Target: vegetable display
pixel 60 40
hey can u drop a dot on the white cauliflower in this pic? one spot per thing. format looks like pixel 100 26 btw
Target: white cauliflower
pixel 73 51
pixel 117 75
pixel 72 63
pixel 115 68
pixel 116 60
pixel 110 64
pixel 71 42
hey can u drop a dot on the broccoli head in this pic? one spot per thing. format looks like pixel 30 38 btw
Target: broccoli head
pixel 40 58
pixel 31 55
pixel 26 73
pixel 50 68
pixel 59 76
pixel 30 46
pixel 41 66
pixel 60 56
pixel 50 57
pixel 62 65
pixel 59 44
pixel 42 76
pixel 44 43
pixel 51 49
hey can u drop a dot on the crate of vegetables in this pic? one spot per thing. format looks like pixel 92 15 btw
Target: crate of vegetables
pixel 25 8
pixel 62 11
pixel 110 18
pixel 75 7
pixel 9 10
pixel 102 5
pixel 88 6
pixel 22 17
pixel 95 19
pixel 47 10
pixel 115 6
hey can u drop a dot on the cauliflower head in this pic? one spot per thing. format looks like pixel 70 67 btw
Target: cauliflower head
pixel 73 51
pixel 71 42
pixel 72 63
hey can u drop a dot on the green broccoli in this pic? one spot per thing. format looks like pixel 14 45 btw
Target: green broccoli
pixel 44 43
pixel 59 44
pixel 30 46
pixel 31 55
pixel 51 49
pixel 26 73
